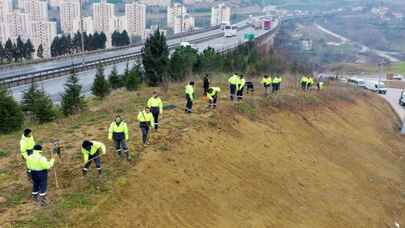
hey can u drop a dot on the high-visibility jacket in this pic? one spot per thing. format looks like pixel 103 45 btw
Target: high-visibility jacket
pixel 96 147
pixel 26 143
pixel 234 80
pixel 304 79
pixel 267 81
pixel 118 128
pixel 190 91
pixel 155 103
pixel 241 83
pixel 146 117
pixel 277 80
pixel 37 162
pixel 215 91
pixel 310 81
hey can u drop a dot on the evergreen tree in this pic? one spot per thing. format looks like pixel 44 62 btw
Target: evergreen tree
pixel 115 36
pixel 11 116
pixel 101 87
pixel 72 100
pixel 40 51
pixel 133 79
pixel 20 49
pixel 125 38
pixel 155 58
pixel 28 100
pixel 28 49
pixel 2 53
pixel 114 79
pixel 182 62
pixel 8 49
pixel 39 104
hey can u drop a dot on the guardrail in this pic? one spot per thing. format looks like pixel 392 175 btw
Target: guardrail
pixel 138 44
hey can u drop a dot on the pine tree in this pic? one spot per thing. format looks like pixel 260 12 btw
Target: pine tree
pixel 8 49
pixel 2 53
pixel 28 49
pixel 28 100
pixel 133 79
pixel 39 104
pixel 11 115
pixel 20 49
pixel 114 79
pixel 72 100
pixel 155 58
pixel 43 109
pixel 101 87
pixel 40 51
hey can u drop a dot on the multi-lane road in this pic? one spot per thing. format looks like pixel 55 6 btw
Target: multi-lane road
pixel 54 87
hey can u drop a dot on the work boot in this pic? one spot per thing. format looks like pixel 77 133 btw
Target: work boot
pixel 99 172
pixel 35 198
pixel 129 156
pixel 43 201
pixel 84 172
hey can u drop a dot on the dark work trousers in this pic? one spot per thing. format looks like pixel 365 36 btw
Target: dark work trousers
pixel 273 87
pixel 39 182
pixel 155 112
pixel 240 94
pixel 206 89
pixel 232 89
pixel 189 105
pixel 120 143
pixel 145 131
pixel 91 159
pixel 213 103
pixel 277 86
pixel 304 85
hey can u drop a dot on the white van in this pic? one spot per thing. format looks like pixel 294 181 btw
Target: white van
pixel 376 87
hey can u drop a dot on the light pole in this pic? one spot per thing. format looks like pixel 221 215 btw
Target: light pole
pixel 81 29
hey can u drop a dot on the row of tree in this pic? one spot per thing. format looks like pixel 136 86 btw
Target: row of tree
pixel 120 39
pixel 17 51
pixel 66 44
pixel 185 61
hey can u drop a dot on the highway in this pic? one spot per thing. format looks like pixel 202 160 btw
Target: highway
pixel 54 87
pixel 392 96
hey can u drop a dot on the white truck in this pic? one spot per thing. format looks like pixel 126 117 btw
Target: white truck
pixel 376 86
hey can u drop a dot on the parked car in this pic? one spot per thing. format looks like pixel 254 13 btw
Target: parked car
pixel 401 100
pixel 376 86
pixel 397 77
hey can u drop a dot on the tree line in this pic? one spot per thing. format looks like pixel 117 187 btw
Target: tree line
pixel 158 69
pixel 16 51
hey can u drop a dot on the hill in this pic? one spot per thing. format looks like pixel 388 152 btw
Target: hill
pixel 323 159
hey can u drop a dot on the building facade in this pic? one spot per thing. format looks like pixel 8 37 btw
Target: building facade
pixel 19 24
pixel 220 14
pixel 69 13
pixel 44 33
pixel 103 17
pixel 135 19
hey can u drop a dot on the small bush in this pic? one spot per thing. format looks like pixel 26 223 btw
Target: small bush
pixel 101 87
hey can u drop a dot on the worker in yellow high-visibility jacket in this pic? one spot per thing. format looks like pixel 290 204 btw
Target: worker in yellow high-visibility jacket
pixel 240 86
pixel 146 121
pixel 156 108
pixel 212 94
pixel 92 151
pixel 276 83
pixel 266 82
pixel 233 85
pixel 39 166
pixel 118 132
pixel 189 92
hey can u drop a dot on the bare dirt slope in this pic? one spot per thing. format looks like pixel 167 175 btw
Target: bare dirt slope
pixel 325 159
pixel 335 165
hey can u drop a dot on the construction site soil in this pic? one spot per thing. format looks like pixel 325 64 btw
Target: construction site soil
pixel 326 159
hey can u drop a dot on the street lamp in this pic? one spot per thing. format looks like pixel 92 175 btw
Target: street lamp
pixel 81 29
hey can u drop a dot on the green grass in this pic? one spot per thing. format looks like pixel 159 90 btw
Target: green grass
pixel 3 153
pixel 399 67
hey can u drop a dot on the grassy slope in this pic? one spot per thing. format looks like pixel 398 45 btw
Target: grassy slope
pixel 313 161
